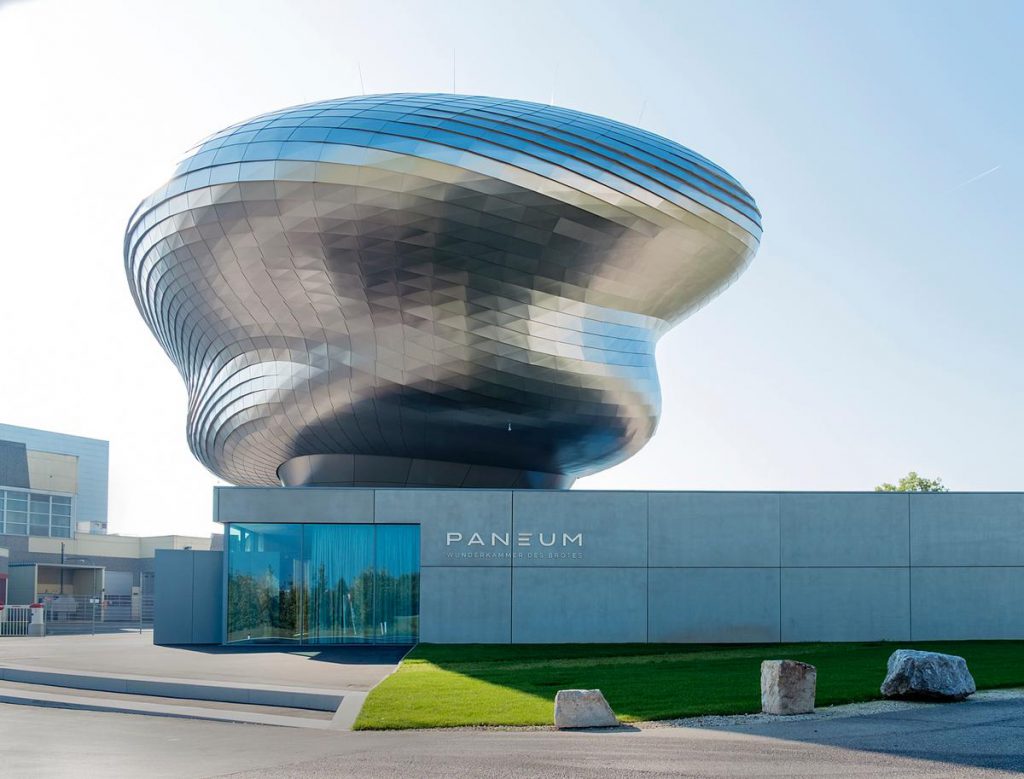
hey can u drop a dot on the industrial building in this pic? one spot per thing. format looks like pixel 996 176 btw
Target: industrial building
pixel 51 484
pixel 54 544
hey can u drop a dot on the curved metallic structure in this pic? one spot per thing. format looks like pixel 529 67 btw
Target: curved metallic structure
pixel 429 289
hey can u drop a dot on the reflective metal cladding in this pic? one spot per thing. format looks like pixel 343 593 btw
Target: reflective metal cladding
pixel 429 289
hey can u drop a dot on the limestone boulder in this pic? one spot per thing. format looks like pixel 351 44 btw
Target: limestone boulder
pixel 583 709
pixel 927 676
pixel 787 687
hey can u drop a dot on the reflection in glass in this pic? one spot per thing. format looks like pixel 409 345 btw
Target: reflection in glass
pixel 339 572
pixel 264 582
pixel 319 584
pixel 398 583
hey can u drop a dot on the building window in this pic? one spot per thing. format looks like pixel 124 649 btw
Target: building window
pixel 35 514
pixel 60 516
pixel 323 584
pixel 38 515
pixel 16 513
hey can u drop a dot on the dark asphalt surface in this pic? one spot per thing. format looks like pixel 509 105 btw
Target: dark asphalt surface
pixel 973 739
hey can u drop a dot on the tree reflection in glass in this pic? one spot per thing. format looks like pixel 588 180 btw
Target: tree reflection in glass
pixel 354 583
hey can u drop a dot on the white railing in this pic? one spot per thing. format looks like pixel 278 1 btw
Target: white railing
pixel 15 620
pixel 77 614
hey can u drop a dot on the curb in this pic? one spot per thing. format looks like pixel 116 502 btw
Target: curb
pixel 158 709
pixel 262 695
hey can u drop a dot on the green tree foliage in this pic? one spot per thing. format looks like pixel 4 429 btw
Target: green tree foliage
pixel 913 483
pixel 261 606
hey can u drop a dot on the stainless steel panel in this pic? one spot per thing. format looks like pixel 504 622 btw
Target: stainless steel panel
pixel 431 278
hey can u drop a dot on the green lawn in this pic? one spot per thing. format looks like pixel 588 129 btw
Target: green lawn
pixel 442 686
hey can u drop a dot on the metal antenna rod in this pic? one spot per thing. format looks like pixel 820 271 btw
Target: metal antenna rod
pixel 362 86
pixel 453 70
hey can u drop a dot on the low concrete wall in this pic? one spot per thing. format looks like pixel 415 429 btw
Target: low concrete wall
pixel 189 601
pixel 257 695
pixel 534 566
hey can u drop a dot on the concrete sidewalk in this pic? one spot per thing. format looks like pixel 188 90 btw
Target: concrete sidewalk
pixel 356 668
pixel 126 673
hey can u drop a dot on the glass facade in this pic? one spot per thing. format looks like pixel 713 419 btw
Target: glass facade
pixel 35 514
pixel 323 584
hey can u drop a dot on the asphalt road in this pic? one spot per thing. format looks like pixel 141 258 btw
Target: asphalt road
pixel 973 739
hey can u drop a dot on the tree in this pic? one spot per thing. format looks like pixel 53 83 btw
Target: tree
pixel 914 483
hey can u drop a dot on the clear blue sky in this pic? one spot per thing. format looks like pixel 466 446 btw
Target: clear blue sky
pixel 878 330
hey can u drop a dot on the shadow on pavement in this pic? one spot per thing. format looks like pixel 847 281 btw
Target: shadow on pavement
pixel 342 655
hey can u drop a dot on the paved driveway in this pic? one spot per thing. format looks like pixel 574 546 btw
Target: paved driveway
pixel 979 738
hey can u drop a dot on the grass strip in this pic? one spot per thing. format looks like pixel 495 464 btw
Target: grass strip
pixel 441 685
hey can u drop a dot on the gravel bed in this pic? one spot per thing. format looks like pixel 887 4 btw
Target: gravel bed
pixel 826 712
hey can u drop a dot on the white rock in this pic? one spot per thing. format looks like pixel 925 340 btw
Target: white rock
pixel 928 676
pixel 787 687
pixel 583 709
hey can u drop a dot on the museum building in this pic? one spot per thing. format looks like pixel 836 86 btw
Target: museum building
pixel 408 323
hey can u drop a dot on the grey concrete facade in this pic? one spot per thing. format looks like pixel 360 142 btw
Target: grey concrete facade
pixel 534 566
pixel 189 597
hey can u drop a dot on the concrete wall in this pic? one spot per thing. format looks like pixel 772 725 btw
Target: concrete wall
pixel 188 602
pixel 690 566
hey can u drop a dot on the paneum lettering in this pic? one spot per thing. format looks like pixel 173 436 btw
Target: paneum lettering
pixel 507 540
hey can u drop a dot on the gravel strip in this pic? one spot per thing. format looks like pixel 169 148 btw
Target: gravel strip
pixel 827 712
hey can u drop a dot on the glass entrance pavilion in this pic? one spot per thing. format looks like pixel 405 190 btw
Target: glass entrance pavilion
pixel 323 584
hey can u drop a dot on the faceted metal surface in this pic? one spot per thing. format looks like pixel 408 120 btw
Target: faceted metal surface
pixel 460 284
